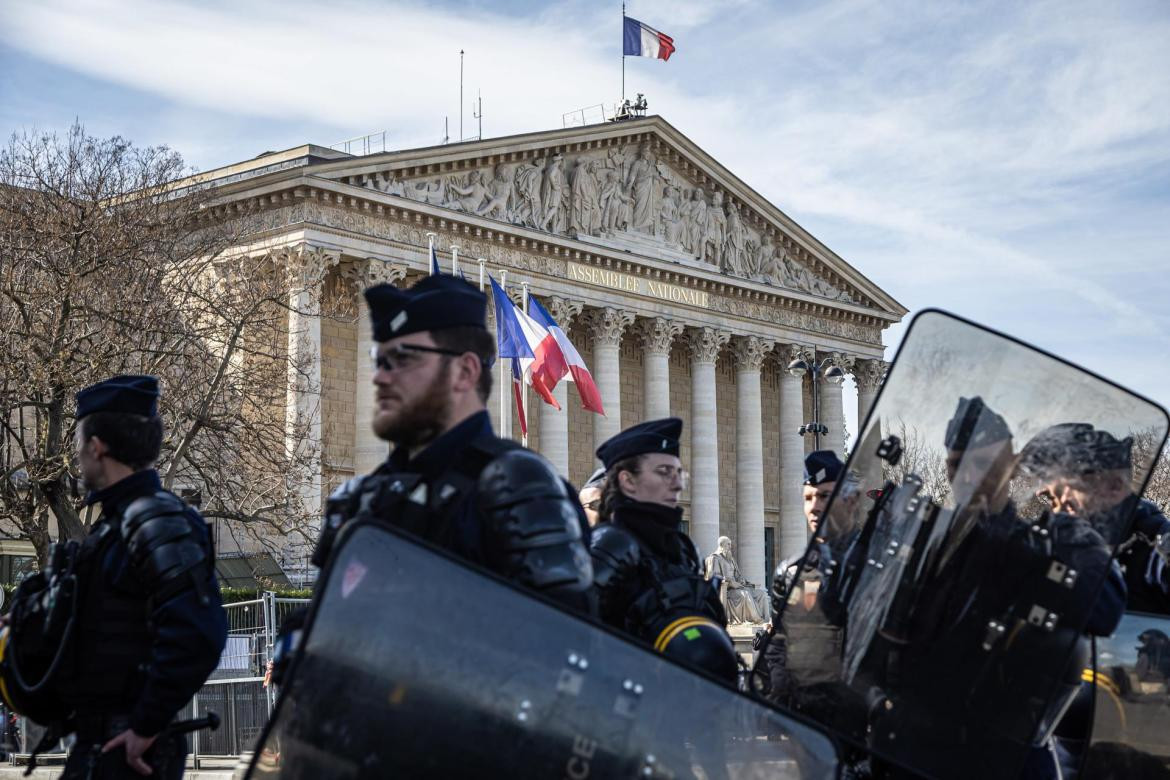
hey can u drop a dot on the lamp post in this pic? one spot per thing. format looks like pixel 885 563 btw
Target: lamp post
pixel 830 372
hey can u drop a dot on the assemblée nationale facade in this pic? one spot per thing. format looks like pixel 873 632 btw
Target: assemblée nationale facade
pixel 685 291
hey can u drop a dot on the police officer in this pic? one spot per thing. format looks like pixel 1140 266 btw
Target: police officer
pixel 646 570
pixel 151 626
pixel 802 659
pixel 1089 473
pixel 450 480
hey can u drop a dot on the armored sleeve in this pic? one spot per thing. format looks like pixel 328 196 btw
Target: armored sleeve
pixel 170 553
pixel 532 532
pixel 616 557
pixel 340 507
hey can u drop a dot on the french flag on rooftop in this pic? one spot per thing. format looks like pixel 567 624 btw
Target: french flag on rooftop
pixel 642 40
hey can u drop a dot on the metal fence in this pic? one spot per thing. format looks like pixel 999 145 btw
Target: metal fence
pixel 235 690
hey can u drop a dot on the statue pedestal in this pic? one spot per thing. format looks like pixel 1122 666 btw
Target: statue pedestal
pixel 648 246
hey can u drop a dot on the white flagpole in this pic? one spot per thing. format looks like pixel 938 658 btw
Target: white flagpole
pixel 431 252
pixel 523 384
pixel 482 273
pixel 505 377
pixel 454 260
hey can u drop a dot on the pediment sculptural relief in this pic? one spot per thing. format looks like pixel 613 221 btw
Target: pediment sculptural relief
pixel 620 193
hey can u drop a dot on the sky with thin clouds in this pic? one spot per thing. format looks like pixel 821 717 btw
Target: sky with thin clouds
pixel 1006 161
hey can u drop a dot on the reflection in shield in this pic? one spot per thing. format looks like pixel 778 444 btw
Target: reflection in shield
pixel 964 612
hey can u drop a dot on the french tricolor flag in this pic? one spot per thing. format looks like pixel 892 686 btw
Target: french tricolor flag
pixel 642 40
pixel 556 358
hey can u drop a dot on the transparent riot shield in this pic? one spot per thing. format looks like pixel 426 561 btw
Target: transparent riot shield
pixel 415 665
pixel 1131 715
pixel 940 616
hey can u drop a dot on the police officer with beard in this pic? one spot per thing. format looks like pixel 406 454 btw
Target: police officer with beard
pixel 450 480
pixel 647 572
pixel 151 626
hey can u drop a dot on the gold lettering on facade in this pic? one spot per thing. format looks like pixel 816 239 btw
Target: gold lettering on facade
pixel 627 283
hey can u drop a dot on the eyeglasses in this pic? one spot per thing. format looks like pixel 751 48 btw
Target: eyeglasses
pixel 403 356
pixel 668 473
pixel 593 505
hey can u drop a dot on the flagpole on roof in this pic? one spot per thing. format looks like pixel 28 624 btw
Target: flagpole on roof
pixel 431 252
pixel 454 260
pixel 623 51
pixel 482 272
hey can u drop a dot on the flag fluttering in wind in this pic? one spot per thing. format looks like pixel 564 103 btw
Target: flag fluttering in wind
pixel 642 40
pixel 511 343
pixel 555 358
pixel 435 262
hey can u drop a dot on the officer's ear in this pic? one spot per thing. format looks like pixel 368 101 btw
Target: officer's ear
pixel 466 371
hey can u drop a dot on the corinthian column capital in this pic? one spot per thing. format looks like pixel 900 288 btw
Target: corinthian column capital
pixel 657 334
pixel 705 343
pixel 869 375
pixel 563 310
pixel 607 325
pixel 750 351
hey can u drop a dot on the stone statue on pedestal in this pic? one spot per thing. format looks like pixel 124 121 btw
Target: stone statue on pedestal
pixel 743 601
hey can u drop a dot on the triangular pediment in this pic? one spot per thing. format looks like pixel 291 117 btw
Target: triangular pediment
pixel 638 185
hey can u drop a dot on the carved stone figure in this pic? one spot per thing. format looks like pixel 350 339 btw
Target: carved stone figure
pixel 431 192
pixel 499 195
pixel 640 181
pixel 586 199
pixel 715 232
pixel 735 243
pixel 555 217
pixel 616 205
pixel 672 224
pixel 698 221
pixel 743 601
pixel 468 197
pixel 765 266
pixel 527 209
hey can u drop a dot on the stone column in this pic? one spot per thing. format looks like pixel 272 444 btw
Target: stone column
pixel 554 425
pixel 368 450
pixel 606 326
pixel 656 336
pixel 749 354
pixel 832 409
pixel 705 344
pixel 869 375
pixel 306 267
pixel 793 528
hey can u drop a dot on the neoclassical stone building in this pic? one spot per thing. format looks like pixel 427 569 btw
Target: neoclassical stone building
pixel 685 291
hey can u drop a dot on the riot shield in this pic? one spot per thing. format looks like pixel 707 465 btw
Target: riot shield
pixel 417 665
pixel 959 600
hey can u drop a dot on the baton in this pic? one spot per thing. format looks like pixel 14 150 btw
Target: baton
pixel 208 721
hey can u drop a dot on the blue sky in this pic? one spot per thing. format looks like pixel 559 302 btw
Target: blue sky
pixel 1006 161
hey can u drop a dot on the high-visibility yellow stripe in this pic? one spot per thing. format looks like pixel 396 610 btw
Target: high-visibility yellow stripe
pixel 1110 688
pixel 3 684
pixel 677 627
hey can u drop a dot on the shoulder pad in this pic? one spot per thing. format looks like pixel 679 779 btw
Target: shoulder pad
pixel 615 552
pixel 532 527
pixel 163 540
pixel 341 505
pixel 519 475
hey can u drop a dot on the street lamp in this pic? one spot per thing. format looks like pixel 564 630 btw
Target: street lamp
pixel 830 372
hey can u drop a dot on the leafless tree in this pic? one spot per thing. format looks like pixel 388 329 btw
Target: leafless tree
pixel 108 266
pixel 1158 488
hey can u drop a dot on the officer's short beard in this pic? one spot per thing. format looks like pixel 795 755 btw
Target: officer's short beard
pixel 424 419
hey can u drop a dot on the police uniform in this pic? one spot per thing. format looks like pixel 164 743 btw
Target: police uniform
pixel 802 660
pixel 647 572
pixel 486 499
pixel 151 626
